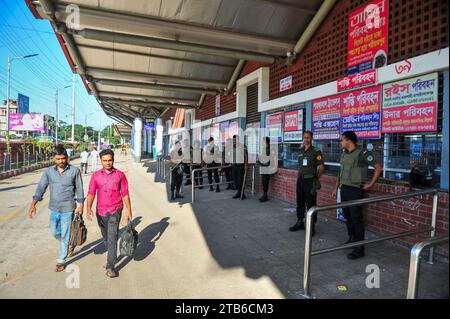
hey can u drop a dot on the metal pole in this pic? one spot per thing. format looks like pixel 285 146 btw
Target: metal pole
pixel 8 147
pixel 414 267
pixel 99 129
pixel 73 108
pixel 253 180
pixel 193 184
pixel 17 160
pixel 56 120
pixel 414 263
pixel 308 246
pixel 433 224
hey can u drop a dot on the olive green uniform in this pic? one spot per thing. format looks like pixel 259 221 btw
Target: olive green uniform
pixel 308 161
pixel 352 175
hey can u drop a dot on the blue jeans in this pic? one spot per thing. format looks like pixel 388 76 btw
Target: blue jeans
pixel 60 226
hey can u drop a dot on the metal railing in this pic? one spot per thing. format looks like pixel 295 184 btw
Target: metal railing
pixel 359 202
pixel 204 169
pixel 414 263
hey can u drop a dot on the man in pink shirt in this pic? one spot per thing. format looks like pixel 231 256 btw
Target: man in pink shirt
pixel 111 187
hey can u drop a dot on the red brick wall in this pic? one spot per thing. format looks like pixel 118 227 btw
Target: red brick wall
pixel 415 27
pixel 381 218
pixel 170 113
pixel 208 109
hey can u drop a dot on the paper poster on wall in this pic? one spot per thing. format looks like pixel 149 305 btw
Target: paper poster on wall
pixel 326 114
pixel 410 105
pixel 274 127
pixel 233 129
pixel 360 112
pixel 293 126
pixel 368 37
pixel 253 140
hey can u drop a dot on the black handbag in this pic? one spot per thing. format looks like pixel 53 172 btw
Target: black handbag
pixel 78 233
pixel 128 240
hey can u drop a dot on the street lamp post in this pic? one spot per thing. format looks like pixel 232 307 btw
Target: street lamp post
pixel 73 108
pixel 8 82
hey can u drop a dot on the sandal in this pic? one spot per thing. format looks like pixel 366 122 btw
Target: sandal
pixel 60 267
pixel 111 273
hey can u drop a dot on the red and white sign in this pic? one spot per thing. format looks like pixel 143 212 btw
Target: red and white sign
pixel 411 105
pixel 293 126
pixel 357 80
pixel 368 37
pixel 286 83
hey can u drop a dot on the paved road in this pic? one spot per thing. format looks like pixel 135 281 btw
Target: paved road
pixel 216 248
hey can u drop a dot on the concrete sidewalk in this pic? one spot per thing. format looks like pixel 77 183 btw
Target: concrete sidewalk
pixel 218 247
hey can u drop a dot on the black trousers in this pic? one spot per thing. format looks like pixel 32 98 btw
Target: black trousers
pixel 265 182
pixel 109 227
pixel 177 180
pixel 353 215
pixel 227 172
pixel 198 176
pixel 84 165
pixel 238 176
pixel 305 200
pixel 213 171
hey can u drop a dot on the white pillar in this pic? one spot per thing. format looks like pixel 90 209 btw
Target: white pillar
pixel 137 139
pixel 159 137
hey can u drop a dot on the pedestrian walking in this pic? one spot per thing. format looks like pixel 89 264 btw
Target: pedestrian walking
pixel 353 182
pixel 94 158
pixel 84 156
pixel 110 185
pixel 66 197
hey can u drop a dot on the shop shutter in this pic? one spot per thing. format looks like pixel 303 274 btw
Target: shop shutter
pixel 252 104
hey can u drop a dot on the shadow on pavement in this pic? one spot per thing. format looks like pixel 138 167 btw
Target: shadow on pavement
pixel 146 243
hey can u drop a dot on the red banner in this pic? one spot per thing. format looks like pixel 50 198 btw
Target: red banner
pixel 368 37
pixel 357 80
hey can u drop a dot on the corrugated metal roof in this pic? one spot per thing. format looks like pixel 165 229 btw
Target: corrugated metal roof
pixel 210 36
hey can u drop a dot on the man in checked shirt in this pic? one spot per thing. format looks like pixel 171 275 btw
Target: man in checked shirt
pixel 111 187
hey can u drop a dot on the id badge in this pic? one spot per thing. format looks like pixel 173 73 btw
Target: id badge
pixel 305 162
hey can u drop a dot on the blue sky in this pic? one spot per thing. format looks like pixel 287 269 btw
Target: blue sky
pixel 38 77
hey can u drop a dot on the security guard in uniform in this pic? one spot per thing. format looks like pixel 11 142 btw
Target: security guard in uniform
pixel 176 160
pixel 311 167
pixel 239 167
pixel 353 182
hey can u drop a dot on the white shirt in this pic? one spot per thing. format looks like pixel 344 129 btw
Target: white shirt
pixel 84 157
pixel 94 155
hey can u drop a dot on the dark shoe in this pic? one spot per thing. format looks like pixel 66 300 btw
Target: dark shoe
pixel 187 183
pixel 211 189
pixel 299 225
pixel 229 187
pixel 217 189
pixel 237 196
pixel 264 199
pixel 356 253
pixel 201 187
pixel 111 273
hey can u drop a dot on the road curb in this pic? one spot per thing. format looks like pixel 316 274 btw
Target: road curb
pixel 23 170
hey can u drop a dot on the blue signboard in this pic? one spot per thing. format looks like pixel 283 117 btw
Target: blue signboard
pixel 24 104
pixel 149 126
